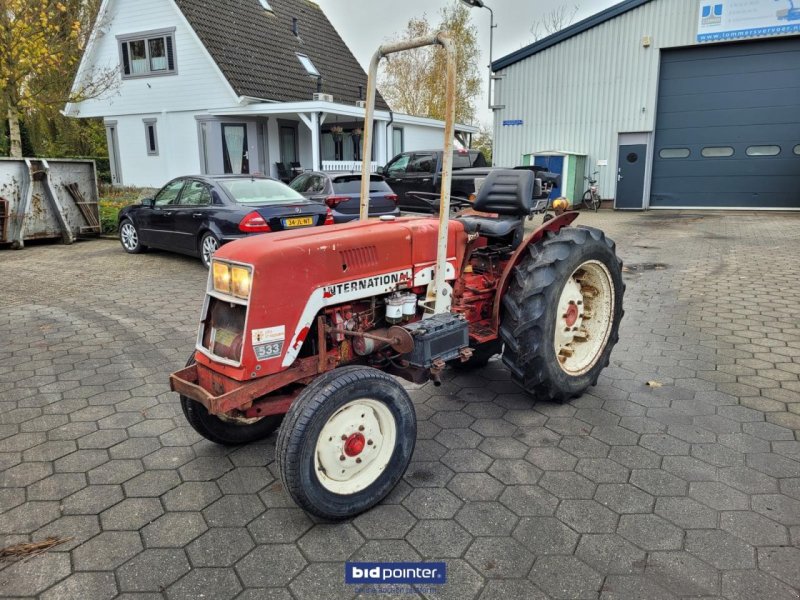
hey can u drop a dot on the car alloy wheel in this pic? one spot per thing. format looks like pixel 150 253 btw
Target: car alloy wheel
pixel 129 236
pixel 209 245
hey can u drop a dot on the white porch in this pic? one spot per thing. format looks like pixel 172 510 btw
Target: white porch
pixel 289 137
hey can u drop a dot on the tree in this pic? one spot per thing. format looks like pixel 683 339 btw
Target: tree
pixel 413 81
pixel 553 21
pixel 41 42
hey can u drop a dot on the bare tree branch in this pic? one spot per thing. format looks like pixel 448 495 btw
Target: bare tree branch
pixel 553 21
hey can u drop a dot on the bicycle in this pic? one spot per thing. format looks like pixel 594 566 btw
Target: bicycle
pixel 591 197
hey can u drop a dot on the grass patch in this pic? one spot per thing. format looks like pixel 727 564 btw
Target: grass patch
pixel 114 199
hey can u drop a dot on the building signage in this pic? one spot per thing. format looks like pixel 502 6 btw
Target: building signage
pixel 510 122
pixel 733 19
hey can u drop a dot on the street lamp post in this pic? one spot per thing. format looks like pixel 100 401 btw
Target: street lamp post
pixel 481 4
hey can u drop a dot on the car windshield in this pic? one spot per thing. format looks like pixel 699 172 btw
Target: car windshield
pixel 260 191
pixel 352 184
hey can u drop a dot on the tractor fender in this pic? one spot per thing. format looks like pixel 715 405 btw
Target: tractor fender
pixel 554 225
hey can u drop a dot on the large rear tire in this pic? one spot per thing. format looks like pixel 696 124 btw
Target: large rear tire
pixel 561 313
pixel 226 431
pixel 346 442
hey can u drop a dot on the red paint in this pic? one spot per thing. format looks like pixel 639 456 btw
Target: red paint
pixel 289 266
pixel 354 444
pixel 301 337
pixel 571 316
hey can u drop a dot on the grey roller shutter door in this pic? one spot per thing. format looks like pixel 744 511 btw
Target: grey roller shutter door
pixel 731 106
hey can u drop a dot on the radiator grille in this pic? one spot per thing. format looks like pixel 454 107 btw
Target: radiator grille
pixel 357 258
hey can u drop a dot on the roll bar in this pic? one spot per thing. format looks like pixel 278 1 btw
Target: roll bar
pixel 441 39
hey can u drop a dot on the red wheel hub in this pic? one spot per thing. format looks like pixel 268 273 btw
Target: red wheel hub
pixel 354 444
pixel 571 316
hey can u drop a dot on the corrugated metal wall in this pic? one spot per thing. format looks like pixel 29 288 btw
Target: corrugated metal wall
pixel 578 95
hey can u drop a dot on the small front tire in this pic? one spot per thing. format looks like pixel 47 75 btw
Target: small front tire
pixel 129 237
pixel 226 431
pixel 346 442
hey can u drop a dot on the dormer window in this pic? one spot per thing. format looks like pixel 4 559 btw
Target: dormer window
pixel 147 54
pixel 265 5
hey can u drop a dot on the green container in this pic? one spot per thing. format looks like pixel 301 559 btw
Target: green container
pixel 570 165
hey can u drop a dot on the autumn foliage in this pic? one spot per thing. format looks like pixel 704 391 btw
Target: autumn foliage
pixel 41 42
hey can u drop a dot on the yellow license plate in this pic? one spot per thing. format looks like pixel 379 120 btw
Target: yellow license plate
pixel 298 221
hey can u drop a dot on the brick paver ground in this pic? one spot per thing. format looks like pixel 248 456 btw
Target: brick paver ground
pixel 691 489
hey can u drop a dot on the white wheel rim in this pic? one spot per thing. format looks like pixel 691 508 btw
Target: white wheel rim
pixel 130 239
pixel 210 246
pixel 361 422
pixel 584 318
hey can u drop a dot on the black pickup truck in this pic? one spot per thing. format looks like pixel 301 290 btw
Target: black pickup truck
pixel 420 171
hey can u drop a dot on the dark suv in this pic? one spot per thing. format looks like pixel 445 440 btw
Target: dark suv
pixel 420 171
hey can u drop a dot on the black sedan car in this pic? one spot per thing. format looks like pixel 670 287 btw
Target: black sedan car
pixel 196 215
pixel 341 191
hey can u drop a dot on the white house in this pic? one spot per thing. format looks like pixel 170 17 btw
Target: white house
pixel 234 86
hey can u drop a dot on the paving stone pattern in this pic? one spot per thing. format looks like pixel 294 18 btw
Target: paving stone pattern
pixel 691 489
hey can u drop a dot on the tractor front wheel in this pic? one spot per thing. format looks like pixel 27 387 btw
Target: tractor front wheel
pixel 561 313
pixel 346 442
pixel 227 430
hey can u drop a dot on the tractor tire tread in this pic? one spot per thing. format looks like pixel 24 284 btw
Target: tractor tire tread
pixel 297 421
pixel 523 322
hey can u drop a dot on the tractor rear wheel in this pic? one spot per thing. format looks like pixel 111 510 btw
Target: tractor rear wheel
pixel 561 313
pixel 346 442
pixel 223 429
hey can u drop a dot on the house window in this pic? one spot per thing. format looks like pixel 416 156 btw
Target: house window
pixel 148 54
pixel 234 148
pixel 397 140
pixel 151 137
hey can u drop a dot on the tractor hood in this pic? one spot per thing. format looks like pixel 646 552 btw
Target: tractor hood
pixel 298 273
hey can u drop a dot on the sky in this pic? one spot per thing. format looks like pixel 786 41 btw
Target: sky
pixel 366 24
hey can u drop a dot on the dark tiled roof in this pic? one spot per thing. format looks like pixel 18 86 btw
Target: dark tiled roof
pixel 256 49
pixel 559 36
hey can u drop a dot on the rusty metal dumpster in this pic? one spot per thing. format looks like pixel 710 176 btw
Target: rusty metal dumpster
pixel 47 198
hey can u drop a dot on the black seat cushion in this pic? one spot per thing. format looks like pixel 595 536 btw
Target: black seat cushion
pixel 506 192
pixel 488 226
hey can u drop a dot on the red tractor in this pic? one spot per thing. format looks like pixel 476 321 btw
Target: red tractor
pixel 309 327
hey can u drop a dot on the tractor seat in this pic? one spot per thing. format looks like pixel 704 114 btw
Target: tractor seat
pixel 507 193
pixel 489 226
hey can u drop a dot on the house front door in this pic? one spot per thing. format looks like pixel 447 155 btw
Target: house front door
pixel 235 155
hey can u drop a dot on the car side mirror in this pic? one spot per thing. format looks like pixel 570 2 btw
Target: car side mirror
pixel 148 202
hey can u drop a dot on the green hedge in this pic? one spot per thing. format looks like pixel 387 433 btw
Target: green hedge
pixel 114 199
